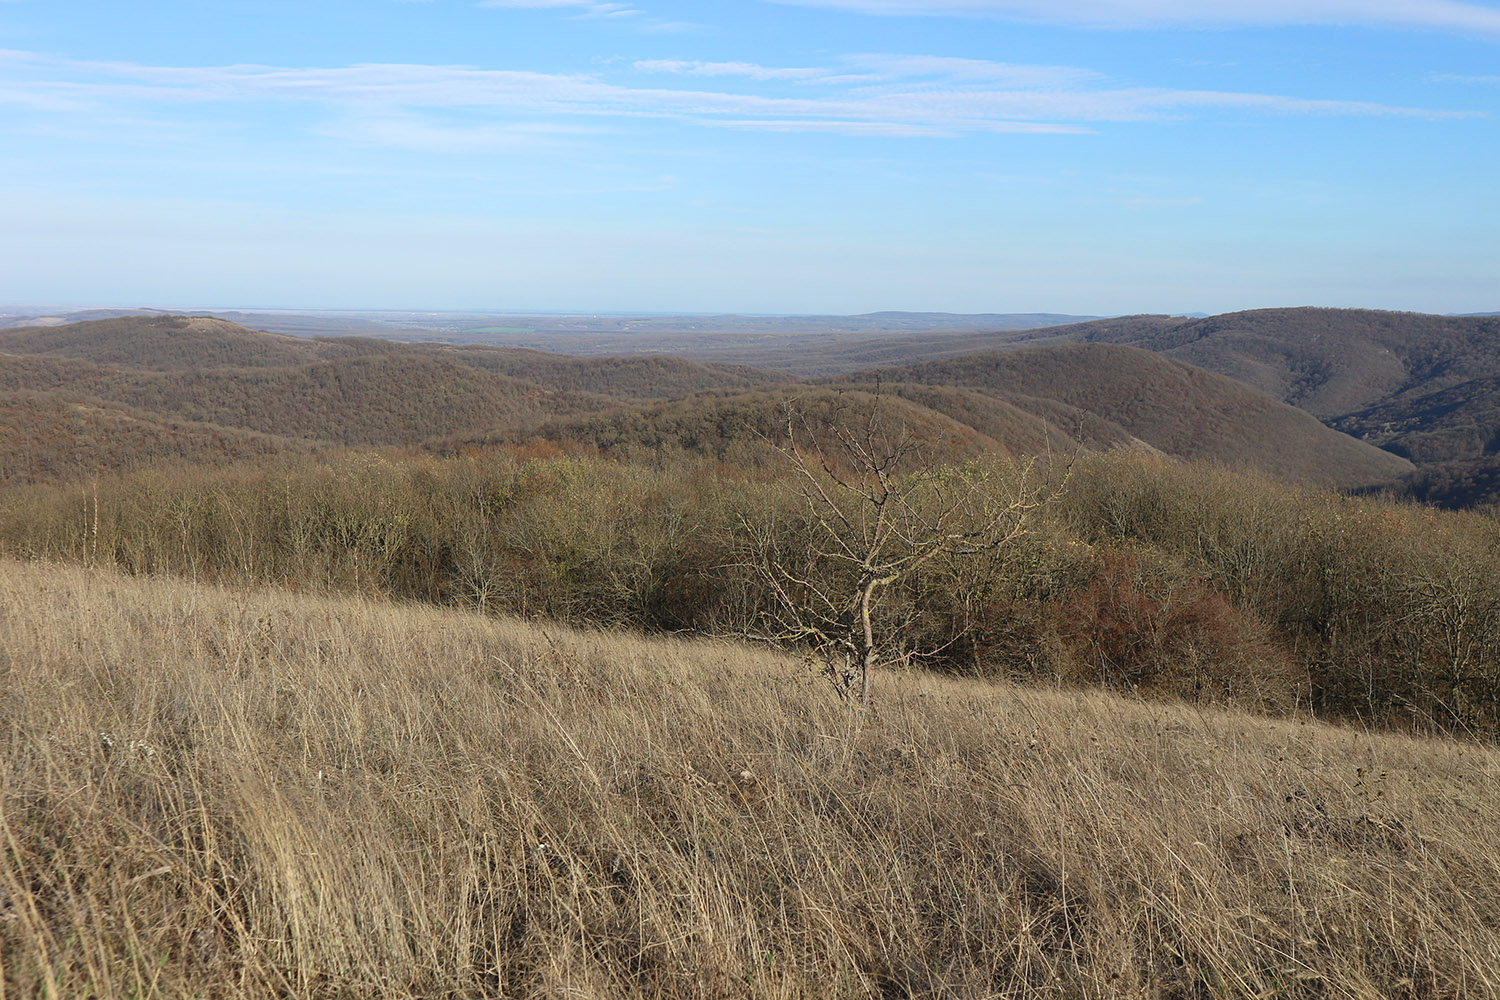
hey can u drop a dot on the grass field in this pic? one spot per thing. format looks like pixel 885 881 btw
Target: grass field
pixel 251 793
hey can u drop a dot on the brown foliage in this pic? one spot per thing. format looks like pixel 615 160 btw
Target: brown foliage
pixel 46 439
pixel 1140 625
pixel 1175 408
pixel 1187 581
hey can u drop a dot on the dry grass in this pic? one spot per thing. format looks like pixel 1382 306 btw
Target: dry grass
pixel 214 793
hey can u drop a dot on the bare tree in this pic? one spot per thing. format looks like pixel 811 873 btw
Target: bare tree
pixel 877 512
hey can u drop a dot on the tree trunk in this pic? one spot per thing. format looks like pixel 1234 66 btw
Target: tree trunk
pixel 867 660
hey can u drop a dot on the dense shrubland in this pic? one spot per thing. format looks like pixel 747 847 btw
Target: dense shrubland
pixel 1148 575
pixel 1392 610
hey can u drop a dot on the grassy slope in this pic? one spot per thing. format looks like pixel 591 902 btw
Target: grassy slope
pixel 1179 409
pixel 247 793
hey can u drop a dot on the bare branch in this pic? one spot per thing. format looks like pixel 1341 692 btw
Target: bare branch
pixel 877 512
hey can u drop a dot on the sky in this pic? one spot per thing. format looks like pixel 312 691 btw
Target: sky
pixel 755 156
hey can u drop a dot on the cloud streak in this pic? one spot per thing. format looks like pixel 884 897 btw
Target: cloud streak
pixel 585 8
pixel 1448 15
pixel 603 10
pixel 457 108
pixel 749 71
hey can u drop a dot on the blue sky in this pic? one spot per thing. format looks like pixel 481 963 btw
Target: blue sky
pixel 770 156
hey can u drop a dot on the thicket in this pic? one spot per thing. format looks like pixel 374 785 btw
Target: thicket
pixel 1457 485
pixel 1148 575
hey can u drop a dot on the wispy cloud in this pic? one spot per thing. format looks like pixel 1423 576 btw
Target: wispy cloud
pixel 1449 15
pixel 433 134
pixel 597 10
pixel 1483 80
pixel 459 108
pixel 587 8
pixel 894 129
pixel 749 71
pixel 971 71
pixel 1143 201
pixel 884 68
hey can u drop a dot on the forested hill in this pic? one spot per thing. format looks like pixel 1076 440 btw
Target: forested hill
pixel 188 386
pixel 172 343
pixel 113 394
pixel 1174 407
pixel 1330 362
pixel 1420 386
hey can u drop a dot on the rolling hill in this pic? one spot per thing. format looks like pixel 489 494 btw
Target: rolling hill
pixel 172 343
pixel 1174 407
pixel 1012 402
pixel 1420 386
pixel 169 343
pixel 1330 362
pixel 351 390
pixel 44 438
pixel 167 371
pixel 392 399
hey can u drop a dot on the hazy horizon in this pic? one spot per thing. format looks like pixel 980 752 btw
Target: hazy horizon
pixel 59 308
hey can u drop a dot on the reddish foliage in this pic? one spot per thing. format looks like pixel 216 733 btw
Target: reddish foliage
pixel 1137 625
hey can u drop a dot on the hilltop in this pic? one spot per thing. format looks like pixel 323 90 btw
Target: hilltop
pixel 168 343
pixel 1330 362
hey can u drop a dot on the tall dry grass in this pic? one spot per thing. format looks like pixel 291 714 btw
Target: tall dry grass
pixel 241 793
